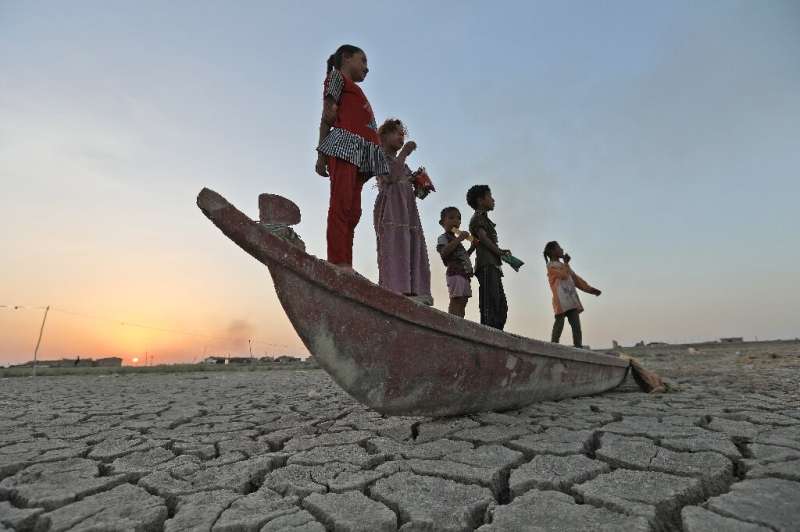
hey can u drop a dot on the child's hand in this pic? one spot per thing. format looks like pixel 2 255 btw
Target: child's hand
pixel 321 166
pixel 462 235
pixel 597 292
pixel 408 148
pixel 505 252
pixel 567 258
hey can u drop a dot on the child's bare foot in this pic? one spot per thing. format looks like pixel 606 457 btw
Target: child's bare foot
pixel 424 299
pixel 348 270
pixel 344 268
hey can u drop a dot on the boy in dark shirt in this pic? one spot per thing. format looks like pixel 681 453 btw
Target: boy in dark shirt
pixel 492 297
pixel 456 259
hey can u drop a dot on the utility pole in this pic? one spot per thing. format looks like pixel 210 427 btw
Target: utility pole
pixel 250 347
pixel 39 341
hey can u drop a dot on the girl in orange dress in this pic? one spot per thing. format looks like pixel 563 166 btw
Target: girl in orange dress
pixel 565 285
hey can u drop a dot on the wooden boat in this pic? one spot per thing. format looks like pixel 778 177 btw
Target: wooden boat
pixel 400 357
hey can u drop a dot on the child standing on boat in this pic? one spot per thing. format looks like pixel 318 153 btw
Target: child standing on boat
pixel 456 259
pixel 564 284
pixel 349 148
pixel 403 265
pixel 491 296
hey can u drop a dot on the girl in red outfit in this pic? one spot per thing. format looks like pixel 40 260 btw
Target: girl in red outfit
pixel 349 148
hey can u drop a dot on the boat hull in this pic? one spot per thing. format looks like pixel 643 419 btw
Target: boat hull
pixel 402 358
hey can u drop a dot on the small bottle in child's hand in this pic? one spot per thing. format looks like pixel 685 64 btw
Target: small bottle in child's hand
pixel 422 183
pixel 457 232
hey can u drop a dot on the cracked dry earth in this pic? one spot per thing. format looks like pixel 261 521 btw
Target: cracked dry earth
pixel 288 450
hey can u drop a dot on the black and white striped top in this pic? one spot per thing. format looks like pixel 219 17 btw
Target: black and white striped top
pixel 367 156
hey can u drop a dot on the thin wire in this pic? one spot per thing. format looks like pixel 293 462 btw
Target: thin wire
pixel 39 341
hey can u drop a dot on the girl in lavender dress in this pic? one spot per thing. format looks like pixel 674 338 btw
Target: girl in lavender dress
pixel 403 265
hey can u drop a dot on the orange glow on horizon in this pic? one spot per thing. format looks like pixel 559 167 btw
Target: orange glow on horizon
pixel 186 339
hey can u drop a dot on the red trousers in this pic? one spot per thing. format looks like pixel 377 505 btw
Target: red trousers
pixel 344 211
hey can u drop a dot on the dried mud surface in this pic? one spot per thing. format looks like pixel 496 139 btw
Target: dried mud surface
pixel 289 450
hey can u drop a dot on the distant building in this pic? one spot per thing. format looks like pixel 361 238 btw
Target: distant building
pixel 286 359
pixel 212 360
pixel 240 360
pixel 732 340
pixel 108 362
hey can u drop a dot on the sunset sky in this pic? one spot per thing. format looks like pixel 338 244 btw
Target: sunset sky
pixel 659 142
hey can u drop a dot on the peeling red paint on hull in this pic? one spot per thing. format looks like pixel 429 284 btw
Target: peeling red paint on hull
pixel 402 358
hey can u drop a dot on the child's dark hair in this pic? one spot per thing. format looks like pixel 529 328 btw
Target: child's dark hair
pixel 335 60
pixel 446 211
pixel 548 249
pixel 390 125
pixel 475 193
